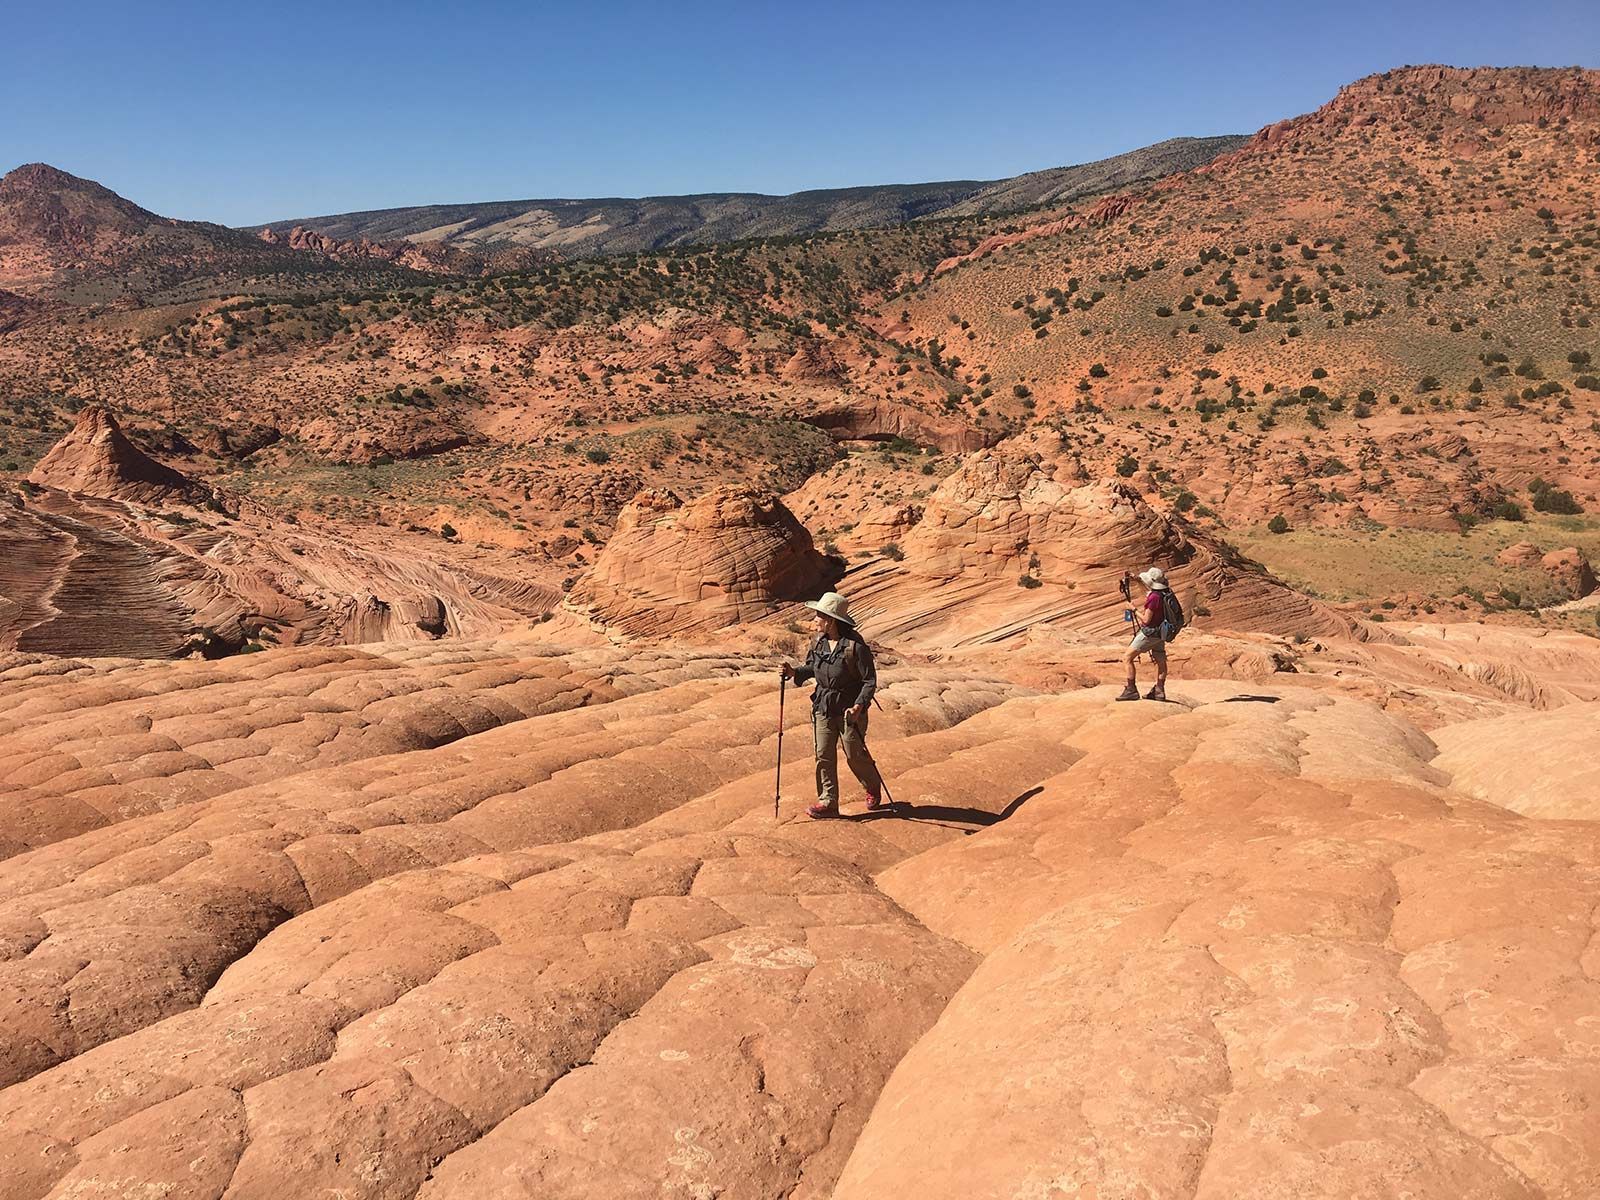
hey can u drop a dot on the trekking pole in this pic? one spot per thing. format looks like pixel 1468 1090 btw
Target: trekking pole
pixel 777 785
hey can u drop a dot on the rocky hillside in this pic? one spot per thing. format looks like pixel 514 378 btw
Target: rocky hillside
pixel 1374 317
pixel 73 240
pixel 616 226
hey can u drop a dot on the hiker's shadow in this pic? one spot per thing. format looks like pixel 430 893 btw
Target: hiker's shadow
pixel 950 816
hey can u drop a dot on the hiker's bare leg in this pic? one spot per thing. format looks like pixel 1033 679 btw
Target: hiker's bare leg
pixel 1161 669
pixel 1128 658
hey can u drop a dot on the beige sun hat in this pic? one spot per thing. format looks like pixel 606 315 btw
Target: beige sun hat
pixel 832 604
pixel 1155 578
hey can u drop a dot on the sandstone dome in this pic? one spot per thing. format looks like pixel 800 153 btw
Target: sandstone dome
pixel 731 555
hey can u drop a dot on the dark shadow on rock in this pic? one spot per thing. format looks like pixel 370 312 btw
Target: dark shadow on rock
pixel 968 820
pixel 1252 699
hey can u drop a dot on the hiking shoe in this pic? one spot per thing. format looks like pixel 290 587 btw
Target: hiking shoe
pixel 1156 693
pixel 820 812
pixel 1129 693
pixel 875 803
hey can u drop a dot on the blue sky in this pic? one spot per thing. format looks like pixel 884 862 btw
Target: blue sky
pixel 249 113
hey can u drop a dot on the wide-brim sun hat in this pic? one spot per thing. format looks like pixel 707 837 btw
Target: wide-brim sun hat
pixel 832 604
pixel 1155 578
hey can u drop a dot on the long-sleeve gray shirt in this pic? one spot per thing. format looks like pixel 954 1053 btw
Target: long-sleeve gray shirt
pixel 845 675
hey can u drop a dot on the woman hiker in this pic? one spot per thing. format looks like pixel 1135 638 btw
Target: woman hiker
pixel 1149 638
pixel 841 664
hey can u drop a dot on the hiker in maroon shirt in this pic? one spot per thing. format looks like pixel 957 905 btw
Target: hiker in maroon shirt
pixel 1149 638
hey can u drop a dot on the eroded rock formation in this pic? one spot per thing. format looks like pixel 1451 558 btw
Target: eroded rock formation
pixel 730 555
pixel 96 458
pixel 1014 540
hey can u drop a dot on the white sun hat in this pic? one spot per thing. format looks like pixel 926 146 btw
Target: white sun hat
pixel 1155 578
pixel 832 604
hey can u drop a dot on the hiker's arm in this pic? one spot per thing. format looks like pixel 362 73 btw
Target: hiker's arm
pixel 869 675
pixel 804 672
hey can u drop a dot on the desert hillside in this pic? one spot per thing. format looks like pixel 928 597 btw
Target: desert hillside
pixel 399 794
pixel 1372 319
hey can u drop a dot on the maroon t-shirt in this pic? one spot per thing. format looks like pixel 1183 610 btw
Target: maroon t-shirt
pixel 1155 610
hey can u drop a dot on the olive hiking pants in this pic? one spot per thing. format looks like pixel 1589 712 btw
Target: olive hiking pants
pixel 827 735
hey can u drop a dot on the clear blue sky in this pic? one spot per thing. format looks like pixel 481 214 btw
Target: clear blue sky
pixel 248 113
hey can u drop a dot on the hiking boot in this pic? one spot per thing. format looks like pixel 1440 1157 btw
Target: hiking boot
pixel 1156 693
pixel 1129 693
pixel 821 812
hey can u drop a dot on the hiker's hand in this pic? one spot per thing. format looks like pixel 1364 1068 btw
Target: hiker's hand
pixel 787 670
pixel 856 713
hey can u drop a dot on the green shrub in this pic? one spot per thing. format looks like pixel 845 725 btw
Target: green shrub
pixel 1127 466
pixel 1278 524
pixel 1508 510
pixel 1550 500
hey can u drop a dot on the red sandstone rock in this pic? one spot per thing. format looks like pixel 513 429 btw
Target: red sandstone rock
pixel 1519 554
pixel 1013 513
pixel 854 418
pixel 95 458
pixel 728 556
pixel 1571 571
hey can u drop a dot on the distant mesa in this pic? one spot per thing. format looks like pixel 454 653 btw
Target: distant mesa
pixel 95 458
pixel 59 232
pixel 433 257
pixel 73 239
pixel 623 226
pixel 732 555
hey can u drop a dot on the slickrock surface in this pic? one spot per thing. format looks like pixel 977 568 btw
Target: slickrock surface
pixel 495 921
pixel 97 459
pixel 1252 947
pixel 1542 764
pixel 731 555
pixel 1545 669
pixel 89 743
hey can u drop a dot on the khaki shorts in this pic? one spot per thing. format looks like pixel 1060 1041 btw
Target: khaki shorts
pixel 1150 641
